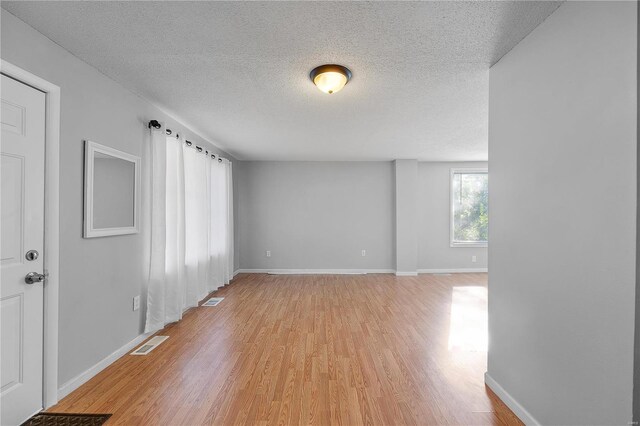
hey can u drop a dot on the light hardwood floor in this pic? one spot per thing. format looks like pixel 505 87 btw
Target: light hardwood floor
pixel 313 349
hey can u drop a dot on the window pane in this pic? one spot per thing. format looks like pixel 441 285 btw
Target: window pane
pixel 470 207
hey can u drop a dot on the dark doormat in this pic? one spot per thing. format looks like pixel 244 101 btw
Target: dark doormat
pixel 66 419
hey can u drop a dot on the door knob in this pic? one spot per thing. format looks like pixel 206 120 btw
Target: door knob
pixel 34 277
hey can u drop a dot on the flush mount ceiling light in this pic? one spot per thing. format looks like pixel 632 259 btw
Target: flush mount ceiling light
pixel 330 78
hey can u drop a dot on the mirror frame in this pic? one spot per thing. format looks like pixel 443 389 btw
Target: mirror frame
pixel 90 148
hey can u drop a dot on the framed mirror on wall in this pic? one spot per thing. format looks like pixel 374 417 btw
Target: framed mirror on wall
pixel 111 191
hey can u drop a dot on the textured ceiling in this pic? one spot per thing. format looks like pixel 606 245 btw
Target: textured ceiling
pixel 237 72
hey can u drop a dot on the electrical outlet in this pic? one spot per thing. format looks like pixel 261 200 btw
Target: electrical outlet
pixel 364 253
pixel 136 303
pixel 268 253
pixel 473 259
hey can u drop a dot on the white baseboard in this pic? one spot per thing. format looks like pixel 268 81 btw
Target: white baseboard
pixel 84 377
pixel 510 402
pixel 452 271
pixel 357 271
pixel 316 271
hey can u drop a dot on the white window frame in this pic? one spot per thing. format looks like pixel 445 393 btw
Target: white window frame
pixel 452 173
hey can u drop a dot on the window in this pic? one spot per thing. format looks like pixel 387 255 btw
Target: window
pixel 469 207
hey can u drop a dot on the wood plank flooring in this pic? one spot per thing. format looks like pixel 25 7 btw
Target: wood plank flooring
pixel 313 349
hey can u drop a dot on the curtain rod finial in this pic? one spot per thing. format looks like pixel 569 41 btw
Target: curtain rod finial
pixel 155 124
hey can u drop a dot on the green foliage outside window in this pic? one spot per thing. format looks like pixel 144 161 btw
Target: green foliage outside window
pixel 470 207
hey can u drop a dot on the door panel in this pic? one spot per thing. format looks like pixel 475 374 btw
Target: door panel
pixel 12 337
pixel 13 118
pixel 12 169
pixel 22 118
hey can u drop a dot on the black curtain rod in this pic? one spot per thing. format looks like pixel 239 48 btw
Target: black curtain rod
pixel 156 125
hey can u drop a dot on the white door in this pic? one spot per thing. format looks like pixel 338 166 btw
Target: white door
pixel 22 233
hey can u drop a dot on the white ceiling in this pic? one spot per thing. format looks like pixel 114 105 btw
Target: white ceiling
pixel 237 72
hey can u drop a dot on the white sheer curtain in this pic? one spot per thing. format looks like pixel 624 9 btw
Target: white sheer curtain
pixel 221 250
pixel 191 247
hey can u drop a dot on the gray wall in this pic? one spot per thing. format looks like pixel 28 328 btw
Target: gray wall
pixel 434 250
pixel 98 277
pixel 562 157
pixel 316 215
pixel 320 215
pixel 636 362
pixel 406 217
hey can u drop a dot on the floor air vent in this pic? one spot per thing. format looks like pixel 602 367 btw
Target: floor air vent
pixel 150 345
pixel 213 301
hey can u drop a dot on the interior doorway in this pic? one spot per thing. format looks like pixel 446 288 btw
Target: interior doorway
pixel 30 221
